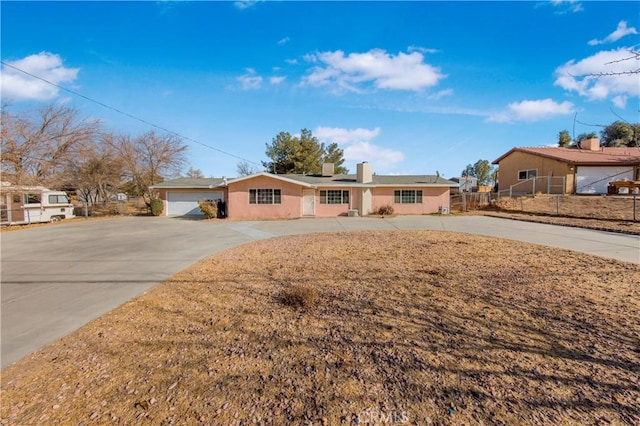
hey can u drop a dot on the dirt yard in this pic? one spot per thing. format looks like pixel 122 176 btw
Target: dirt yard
pixel 369 327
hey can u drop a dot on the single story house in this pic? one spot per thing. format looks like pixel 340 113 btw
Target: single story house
pixel 585 169
pixel 270 196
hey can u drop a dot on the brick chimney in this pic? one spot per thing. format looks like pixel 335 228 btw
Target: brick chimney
pixel 590 144
pixel 328 169
pixel 364 173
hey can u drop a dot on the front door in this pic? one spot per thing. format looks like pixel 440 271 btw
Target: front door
pixel 308 202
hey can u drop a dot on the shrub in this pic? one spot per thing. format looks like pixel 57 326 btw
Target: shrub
pixel 385 210
pixel 208 208
pixel 299 297
pixel 212 208
pixel 156 205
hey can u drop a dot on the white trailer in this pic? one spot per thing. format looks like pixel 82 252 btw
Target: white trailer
pixel 20 205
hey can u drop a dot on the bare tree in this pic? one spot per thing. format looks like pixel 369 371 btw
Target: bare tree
pixel 37 148
pixel 97 174
pixel 244 168
pixel 150 158
pixel 194 173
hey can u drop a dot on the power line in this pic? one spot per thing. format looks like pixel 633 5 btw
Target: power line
pixel 102 104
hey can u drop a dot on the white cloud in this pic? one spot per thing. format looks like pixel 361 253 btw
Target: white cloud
pixel 356 72
pixel 284 40
pixel 357 146
pixel 601 75
pixel 567 6
pixel 532 111
pixel 621 31
pixel 18 86
pixel 250 80
pixel 422 49
pixel 441 94
pixel 291 61
pixel 620 101
pixel 245 4
pixel 276 80
pixel 345 136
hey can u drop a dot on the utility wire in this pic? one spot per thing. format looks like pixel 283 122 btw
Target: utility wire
pixel 102 104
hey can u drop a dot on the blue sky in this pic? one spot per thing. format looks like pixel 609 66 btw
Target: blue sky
pixel 412 87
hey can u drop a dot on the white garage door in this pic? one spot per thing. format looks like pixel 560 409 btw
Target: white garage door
pixel 594 180
pixel 186 203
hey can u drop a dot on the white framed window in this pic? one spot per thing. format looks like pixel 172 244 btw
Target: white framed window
pixel 265 196
pixel 407 196
pixel 527 174
pixel 334 196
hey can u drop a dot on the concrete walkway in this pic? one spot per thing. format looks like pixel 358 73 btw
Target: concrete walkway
pixel 55 279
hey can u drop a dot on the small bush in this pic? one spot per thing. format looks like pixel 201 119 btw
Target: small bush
pixel 156 205
pixel 208 208
pixel 299 297
pixel 212 208
pixel 386 210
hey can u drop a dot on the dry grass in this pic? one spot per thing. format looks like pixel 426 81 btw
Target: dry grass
pixel 423 327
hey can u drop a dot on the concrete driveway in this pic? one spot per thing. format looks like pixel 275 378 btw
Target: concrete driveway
pixel 55 279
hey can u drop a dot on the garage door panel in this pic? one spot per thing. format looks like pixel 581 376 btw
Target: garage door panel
pixel 594 180
pixel 186 203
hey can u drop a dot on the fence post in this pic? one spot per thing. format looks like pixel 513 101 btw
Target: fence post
pixel 557 205
pixel 533 192
pixel 635 209
pixel 548 184
pixel 464 202
pixel 86 210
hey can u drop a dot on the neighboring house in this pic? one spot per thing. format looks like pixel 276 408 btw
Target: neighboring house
pixel 465 184
pixel 270 196
pixel 586 169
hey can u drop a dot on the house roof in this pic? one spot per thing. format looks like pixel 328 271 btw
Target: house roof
pixel 312 181
pixel 190 183
pixel 377 180
pixel 604 156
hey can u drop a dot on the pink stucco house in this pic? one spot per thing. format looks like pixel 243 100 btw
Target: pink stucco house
pixel 269 196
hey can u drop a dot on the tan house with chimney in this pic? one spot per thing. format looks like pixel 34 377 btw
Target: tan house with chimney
pixel 586 169
pixel 270 196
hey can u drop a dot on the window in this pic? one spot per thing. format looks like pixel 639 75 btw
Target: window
pixel 407 196
pixel 58 199
pixel 334 196
pixel 527 174
pixel 32 198
pixel 265 196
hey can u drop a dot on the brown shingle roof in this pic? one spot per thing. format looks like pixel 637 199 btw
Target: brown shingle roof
pixel 604 156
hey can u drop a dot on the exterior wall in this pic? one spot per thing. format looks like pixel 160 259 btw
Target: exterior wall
pixel 333 210
pixel 516 161
pixel 432 200
pixel 238 206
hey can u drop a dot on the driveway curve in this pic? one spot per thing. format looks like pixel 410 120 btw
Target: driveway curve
pixel 54 279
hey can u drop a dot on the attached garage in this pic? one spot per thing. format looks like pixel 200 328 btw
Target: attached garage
pixel 181 203
pixel 181 195
pixel 595 179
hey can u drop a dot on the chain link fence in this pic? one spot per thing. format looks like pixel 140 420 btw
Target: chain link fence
pixel 131 207
pixel 618 207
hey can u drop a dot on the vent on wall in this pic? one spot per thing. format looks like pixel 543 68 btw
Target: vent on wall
pixel 443 210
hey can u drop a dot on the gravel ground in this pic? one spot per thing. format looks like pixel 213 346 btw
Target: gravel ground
pixel 370 327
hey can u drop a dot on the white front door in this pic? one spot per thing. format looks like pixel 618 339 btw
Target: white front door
pixel 308 202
